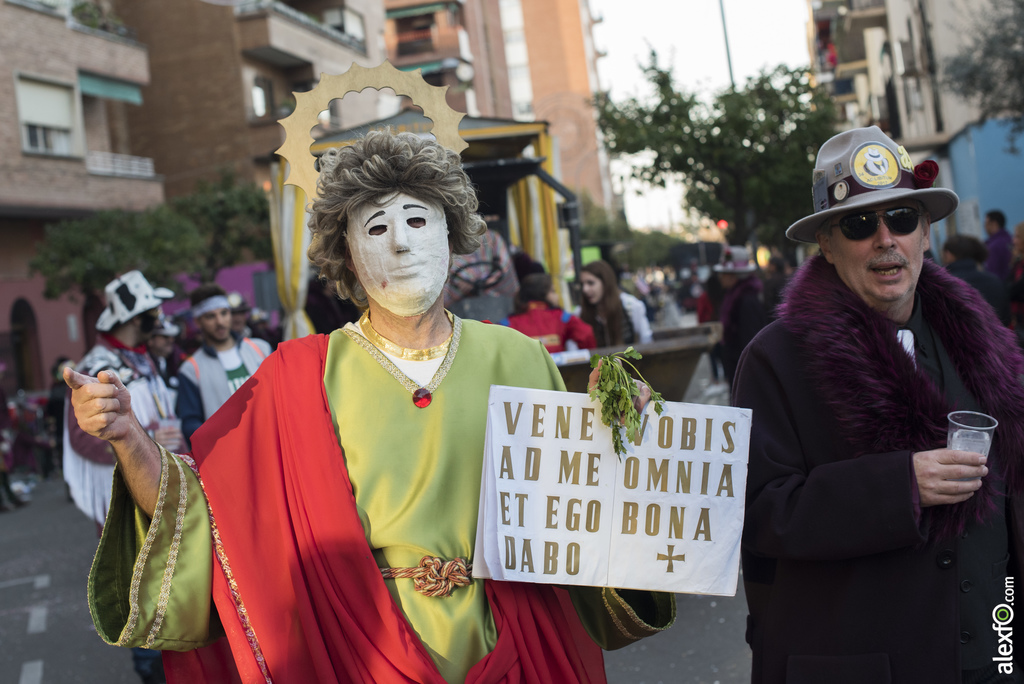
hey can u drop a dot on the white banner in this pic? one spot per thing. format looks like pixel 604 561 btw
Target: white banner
pixel 558 506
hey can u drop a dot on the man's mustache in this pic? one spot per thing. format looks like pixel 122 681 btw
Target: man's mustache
pixel 890 257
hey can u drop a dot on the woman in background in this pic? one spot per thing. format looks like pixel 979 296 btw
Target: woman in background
pixel 539 316
pixel 618 318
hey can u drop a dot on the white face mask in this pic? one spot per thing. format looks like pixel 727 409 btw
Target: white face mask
pixel 400 253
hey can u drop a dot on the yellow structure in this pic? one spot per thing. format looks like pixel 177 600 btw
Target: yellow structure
pixel 510 163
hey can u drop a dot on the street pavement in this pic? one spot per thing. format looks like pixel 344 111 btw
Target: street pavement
pixel 706 644
pixel 46 634
pixel 47 637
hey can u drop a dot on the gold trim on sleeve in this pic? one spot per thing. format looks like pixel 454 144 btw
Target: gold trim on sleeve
pixel 236 596
pixel 140 562
pixel 631 614
pixel 172 556
pixel 614 617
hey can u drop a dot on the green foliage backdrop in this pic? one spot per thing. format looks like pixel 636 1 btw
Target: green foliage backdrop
pixel 746 156
pixel 221 224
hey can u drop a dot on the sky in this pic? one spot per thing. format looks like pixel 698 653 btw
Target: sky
pixel 688 35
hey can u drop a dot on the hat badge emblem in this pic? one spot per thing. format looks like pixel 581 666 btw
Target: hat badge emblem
pixel 841 191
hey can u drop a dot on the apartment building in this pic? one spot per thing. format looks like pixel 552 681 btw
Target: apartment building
pixel 70 81
pixel 458 44
pixel 883 61
pixel 223 73
pixel 529 60
pixel 551 55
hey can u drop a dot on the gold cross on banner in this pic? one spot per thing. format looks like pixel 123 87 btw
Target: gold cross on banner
pixel 670 558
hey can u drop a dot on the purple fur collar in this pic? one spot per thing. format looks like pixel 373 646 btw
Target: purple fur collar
pixel 883 404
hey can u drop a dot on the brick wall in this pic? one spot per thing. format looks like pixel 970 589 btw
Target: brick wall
pixel 40 45
pixel 562 88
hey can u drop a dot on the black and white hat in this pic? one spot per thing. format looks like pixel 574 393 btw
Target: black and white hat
pixel 862 168
pixel 127 297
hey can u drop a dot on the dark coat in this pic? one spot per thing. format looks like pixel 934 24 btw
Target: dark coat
pixel 844 582
pixel 742 314
pixel 989 285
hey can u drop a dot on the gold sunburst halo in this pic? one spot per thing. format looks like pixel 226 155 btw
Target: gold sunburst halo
pixel 308 105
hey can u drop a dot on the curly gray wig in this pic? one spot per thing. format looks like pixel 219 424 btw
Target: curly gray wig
pixel 371 171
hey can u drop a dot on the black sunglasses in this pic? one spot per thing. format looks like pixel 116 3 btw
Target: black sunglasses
pixel 901 220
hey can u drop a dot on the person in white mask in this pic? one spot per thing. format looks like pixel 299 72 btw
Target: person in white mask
pixel 338 489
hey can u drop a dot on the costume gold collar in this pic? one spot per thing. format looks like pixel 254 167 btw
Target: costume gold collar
pixel 403 353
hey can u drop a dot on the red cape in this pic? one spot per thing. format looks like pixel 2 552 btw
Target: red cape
pixel 293 554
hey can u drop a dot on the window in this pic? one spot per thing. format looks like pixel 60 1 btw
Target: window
pixel 354 25
pixel 519 72
pixel 347 21
pixel 262 97
pixel 523 110
pixel 415 34
pixel 46 113
pixel 514 37
pixel 47 140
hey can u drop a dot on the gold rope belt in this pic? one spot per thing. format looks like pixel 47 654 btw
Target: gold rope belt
pixel 434 577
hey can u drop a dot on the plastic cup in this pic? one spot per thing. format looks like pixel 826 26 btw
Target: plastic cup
pixel 970 431
pixel 175 423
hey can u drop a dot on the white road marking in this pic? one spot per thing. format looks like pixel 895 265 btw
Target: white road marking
pixel 39 582
pixel 37 620
pixel 31 672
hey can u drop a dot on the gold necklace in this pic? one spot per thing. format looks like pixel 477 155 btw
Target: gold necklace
pixel 400 352
pixel 421 396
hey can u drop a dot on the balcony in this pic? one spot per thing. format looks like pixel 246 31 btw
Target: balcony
pixel 429 45
pixel 276 33
pixel 90 17
pixel 416 42
pixel 859 5
pixel 120 165
pixel 863 15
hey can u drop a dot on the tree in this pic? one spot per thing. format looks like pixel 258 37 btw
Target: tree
pixel 85 254
pixel 990 68
pixel 234 220
pixel 747 156
pixel 597 223
pixel 221 224
pixel 652 248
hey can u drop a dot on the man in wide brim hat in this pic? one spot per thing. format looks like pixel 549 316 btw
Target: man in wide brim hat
pixel 871 552
pixel 864 168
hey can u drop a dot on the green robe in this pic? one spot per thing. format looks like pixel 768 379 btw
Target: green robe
pixel 411 501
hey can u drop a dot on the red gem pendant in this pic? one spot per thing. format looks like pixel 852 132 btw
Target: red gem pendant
pixel 421 398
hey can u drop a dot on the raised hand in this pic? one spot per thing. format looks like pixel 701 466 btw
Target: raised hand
pixel 103 408
pixel 102 404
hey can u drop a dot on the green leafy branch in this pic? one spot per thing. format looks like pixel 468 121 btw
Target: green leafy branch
pixel 616 391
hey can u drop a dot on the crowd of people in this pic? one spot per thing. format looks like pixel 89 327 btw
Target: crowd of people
pixel 336 468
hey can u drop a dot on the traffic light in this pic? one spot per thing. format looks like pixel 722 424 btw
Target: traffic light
pixel 722 224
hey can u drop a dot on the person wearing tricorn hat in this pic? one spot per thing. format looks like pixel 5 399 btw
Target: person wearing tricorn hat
pixel 131 316
pixel 339 487
pixel 742 310
pixel 872 553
